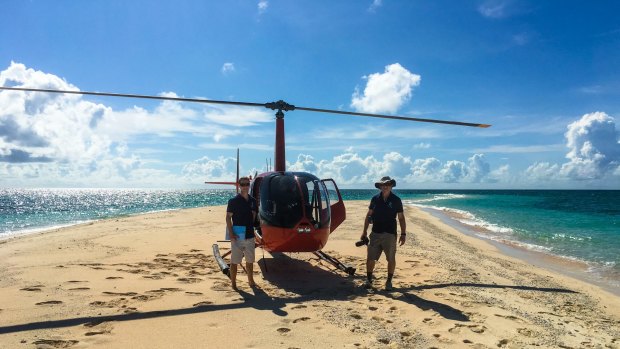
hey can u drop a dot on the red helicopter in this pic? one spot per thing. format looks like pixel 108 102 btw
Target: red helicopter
pixel 297 210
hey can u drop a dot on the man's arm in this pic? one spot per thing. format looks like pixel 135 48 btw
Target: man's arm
pixel 403 228
pixel 229 226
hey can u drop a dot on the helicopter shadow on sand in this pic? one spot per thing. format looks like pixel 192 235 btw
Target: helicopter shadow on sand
pixel 305 281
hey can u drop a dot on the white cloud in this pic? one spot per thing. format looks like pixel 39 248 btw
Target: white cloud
pixel 501 175
pixel 385 92
pixel 520 39
pixel 521 149
pixel 59 138
pixel 422 145
pixel 228 68
pixel 205 169
pixel 494 9
pixel 375 5
pixel 262 6
pixel 378 131
pixel 351 169
pixel 594 150
pixel 542 171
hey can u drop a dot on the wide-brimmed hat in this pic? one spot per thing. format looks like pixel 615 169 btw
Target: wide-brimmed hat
pixel 385 180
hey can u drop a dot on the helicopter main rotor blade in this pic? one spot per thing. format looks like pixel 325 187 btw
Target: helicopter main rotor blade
pixel 395 117
pixel 107 94
pixel 281 105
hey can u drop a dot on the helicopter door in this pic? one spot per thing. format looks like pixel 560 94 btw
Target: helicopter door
pixel 339 214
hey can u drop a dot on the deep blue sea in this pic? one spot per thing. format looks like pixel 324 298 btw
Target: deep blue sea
pixel 580 225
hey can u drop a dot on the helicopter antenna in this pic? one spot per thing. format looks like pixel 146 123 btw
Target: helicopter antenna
pixel 237 180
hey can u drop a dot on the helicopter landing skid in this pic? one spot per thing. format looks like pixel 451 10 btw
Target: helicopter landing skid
pixel 336 263
pixel 220 260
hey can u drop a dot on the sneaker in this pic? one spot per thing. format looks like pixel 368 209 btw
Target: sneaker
pixel 388 286
pixel 368 284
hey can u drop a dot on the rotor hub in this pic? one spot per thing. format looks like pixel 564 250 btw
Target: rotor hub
pixel 280 106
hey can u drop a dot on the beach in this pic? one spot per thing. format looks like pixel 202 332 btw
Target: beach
pixel 150 281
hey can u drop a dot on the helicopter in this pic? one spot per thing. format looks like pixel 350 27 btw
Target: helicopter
pixel 297 210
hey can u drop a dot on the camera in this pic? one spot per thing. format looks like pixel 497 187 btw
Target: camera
pixel 362 242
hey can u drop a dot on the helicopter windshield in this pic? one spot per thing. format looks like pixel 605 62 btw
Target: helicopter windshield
pixel 282 196
pixel 280 200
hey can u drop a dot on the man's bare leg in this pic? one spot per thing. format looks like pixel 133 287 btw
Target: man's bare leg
pixel 249 267
pixel 233 275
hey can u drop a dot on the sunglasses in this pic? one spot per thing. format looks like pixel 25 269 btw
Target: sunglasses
pixel 244 184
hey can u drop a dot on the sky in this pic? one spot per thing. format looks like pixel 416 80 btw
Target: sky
pixel 544 74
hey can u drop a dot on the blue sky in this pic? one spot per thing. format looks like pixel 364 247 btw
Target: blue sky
pixel 544 74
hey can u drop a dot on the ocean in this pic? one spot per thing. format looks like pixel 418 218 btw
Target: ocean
pixel 577 225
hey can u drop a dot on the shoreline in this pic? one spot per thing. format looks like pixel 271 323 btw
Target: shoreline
pixel 150 281
pixel 571 267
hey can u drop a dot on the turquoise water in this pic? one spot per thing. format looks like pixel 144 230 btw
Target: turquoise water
pixel 582 225
pixel 27 210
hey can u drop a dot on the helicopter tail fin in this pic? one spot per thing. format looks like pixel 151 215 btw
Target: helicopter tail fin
pixel 236 182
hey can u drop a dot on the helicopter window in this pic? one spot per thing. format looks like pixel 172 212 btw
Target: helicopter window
pixel 331 192
pixel 315 197
pixel 280 201
pixel 325 208
pixel 312 202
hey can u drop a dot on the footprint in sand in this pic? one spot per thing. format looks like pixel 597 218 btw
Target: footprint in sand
pixel 100 304
pixel 49 303
pixel 145 298
pixel 31 288
pixel 131 310
pixel 200 304
pixel 153 277
pixel 94 333
pixel 119 293
pixel 305 318
pixel 477 328
pixel 299 307
pixel 512 317
pixel 113 277
pixel 193 293
pixel 94 323
pixel 220 286
pixel 503 343
pixel 456 328
pixel 56 343
pixel 189 280
pixel 283 330
pixel 526 332
pixel 79 289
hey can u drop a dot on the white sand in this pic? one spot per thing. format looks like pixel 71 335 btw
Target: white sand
pixel 151 281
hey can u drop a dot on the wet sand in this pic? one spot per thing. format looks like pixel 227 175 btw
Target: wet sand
pixel 150 281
